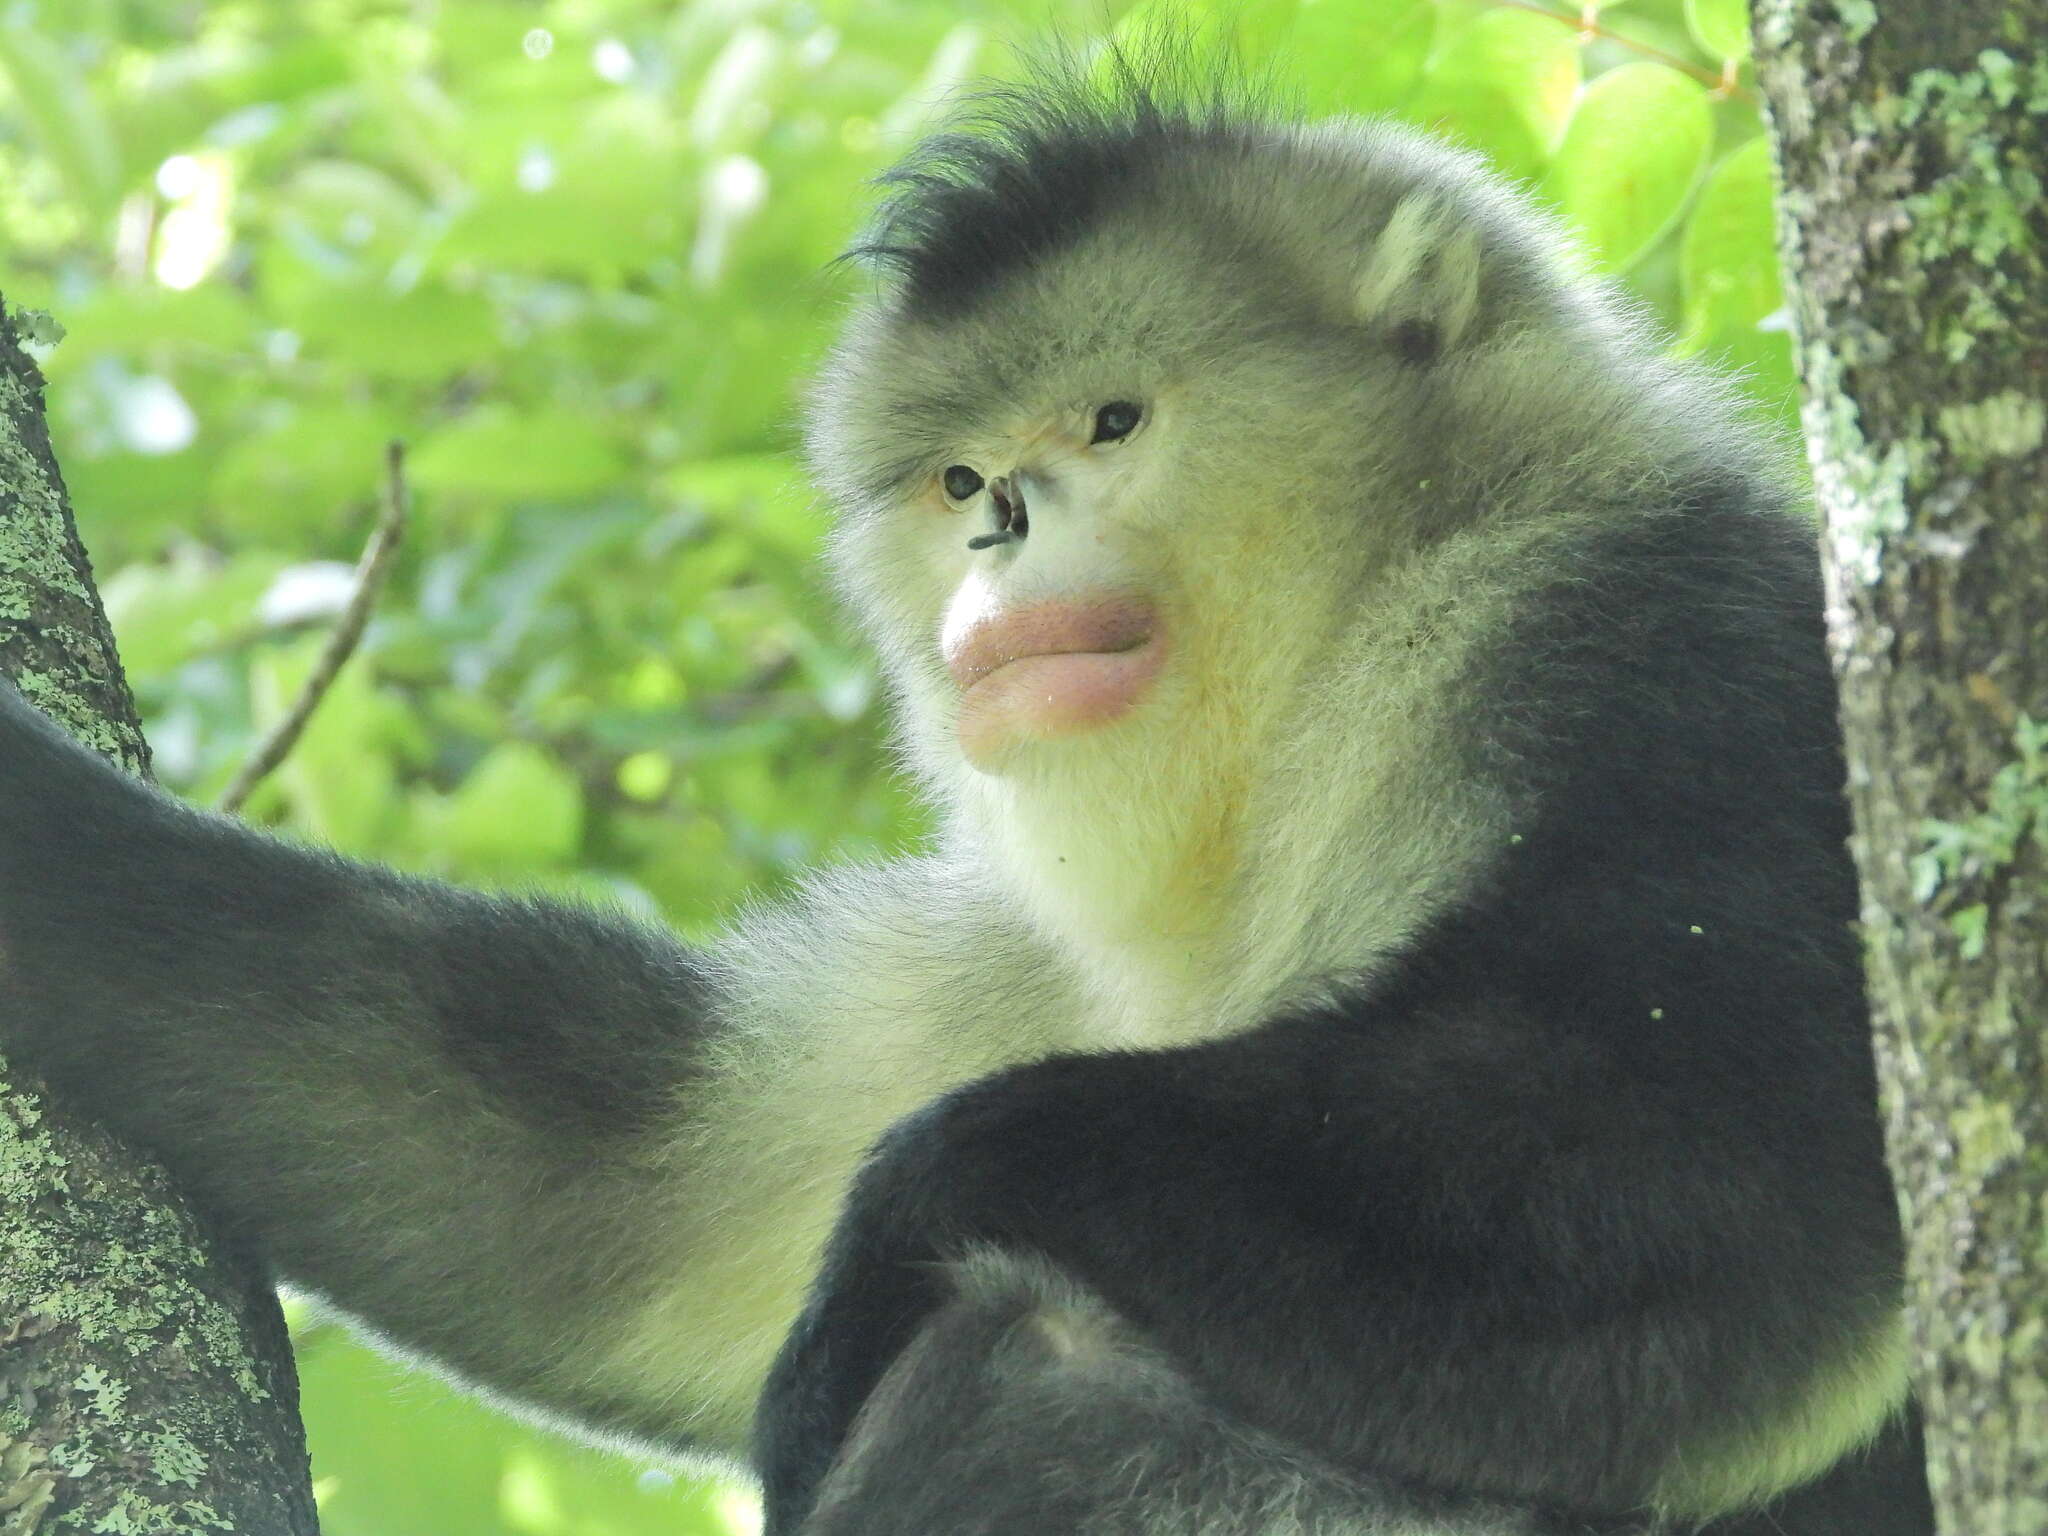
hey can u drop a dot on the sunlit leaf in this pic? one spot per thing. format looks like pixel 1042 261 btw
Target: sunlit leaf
pixel 1362 56
pixel 1482 117
pixel 1732 295
pixel 408 1453
pixel 1730 259
pixel 1518 58
pixel 1721 26
pixel 1631 153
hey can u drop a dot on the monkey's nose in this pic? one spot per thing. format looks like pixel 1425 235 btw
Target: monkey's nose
pixel 1013 518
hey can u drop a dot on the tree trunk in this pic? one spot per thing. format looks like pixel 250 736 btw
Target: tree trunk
pixel 1912 143
pixel 146 1383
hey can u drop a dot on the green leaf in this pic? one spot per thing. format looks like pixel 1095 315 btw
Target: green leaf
pixel 1530 58
pixel 165 613
pixel 517 807
pixel 428 333
pixel 347 218
pixel 137 319
pixel 338 782
pixel 1730 294
pixel 1720 26
pixel 1503 84
pixel 501 452
pixel 63 112
pixel 136 500
pixel 287 482
pixel 765 494
pixel 399 1450
pixel 1728 262
pixel 597 190
pixel 1631 153
pixel 1364 56
pixel 1484 118
pixel 1729 258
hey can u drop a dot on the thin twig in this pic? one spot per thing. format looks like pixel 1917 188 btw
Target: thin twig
pixel 1587 25
pixel 371 570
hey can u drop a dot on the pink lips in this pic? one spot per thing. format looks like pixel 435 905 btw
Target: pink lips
pixel 1051 669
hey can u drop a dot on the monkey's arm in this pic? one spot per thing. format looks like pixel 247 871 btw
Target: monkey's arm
pixel 1024 1405
pixel 423 1101
pixel 1490 1227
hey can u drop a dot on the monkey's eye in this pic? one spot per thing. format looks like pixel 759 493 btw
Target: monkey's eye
pixel 960 482
pixel 1116 421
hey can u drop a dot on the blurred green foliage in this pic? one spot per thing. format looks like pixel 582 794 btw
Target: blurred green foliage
pixel 570 251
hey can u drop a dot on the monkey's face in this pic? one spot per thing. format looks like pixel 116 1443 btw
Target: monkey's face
pixel 1094 523
pixel 1144 520
pixel 1101 530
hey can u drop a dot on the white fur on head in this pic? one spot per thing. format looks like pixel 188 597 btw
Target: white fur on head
pixel 1378 399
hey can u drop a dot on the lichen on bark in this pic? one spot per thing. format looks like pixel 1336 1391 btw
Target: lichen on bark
pixel 145 1379
pixel 1912 147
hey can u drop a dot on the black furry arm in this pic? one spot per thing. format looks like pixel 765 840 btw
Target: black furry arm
pixel 1443 1234
pixel 418 1100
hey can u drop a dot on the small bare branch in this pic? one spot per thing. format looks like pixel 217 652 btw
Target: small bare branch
pixel 371 570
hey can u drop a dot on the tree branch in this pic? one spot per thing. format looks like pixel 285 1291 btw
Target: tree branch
pixel 371 571
pixel 148 1380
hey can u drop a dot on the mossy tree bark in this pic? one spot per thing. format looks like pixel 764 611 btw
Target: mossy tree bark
pixel 146 1383
pixel 1912 145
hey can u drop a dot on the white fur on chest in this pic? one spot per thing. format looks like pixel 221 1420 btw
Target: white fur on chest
pixel 877 991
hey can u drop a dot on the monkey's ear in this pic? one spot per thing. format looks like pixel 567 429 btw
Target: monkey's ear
pixel 1419 289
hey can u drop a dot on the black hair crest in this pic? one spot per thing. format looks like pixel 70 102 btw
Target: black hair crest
pixel 1022 170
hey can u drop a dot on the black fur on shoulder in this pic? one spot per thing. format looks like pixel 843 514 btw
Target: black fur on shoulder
pixel 1025 169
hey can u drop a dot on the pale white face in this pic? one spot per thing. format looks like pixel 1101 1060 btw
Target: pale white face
pixel 1096 588
pixel 1097 497
pixel 1118 532
pixel 1072 578
pixel 1053 630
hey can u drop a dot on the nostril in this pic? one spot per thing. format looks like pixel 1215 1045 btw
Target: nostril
pixel 1008 498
